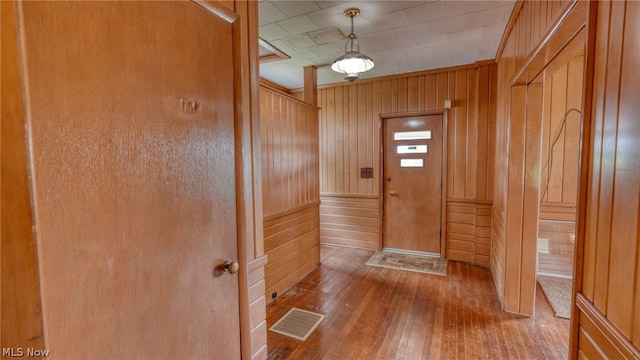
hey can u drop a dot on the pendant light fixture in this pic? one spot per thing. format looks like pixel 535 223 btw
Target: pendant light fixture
pixel 352 62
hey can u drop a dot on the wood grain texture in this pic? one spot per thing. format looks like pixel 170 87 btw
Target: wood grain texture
pixel 468 235
pixel 610 273
pixel 350 137
pixel 290 186
pixel 292 244
pixel 562 92
pixel 349 122
pixel 21 306
pixel 289 129
pixel 352 221
pixel 379 313
pixel 532 22
pixel 154 213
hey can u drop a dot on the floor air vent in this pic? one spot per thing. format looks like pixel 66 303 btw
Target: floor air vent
pixel 298 324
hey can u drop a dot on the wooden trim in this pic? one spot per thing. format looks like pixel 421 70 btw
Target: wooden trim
pixel 583 175
pixel 349 196
pixel 291 211
pixel 443 191
pixel 385 116
pixel 273 86
pixel 471 201
pixel 559 37
pixel 615 338
pixel 507 32
pixel 257 263
pixel 288 95
pixel 311 84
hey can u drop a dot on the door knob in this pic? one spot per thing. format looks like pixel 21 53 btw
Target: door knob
pixel 392 192
pixel 231 267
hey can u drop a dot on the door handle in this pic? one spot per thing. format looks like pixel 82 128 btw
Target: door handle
pixel 392 192
pixel 230 266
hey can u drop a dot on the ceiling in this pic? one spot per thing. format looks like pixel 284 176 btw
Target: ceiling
pixel 400 36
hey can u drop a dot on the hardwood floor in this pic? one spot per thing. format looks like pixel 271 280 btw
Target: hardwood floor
pixel 380 313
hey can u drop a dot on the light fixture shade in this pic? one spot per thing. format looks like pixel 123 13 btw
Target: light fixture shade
pixel 351 64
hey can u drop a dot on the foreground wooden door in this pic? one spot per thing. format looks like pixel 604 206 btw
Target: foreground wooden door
pixel 413 183
pixel 131 118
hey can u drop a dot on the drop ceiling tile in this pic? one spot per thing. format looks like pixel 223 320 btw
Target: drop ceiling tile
pixel 422 52
pixel 431 40
pixel 268 13
pixel 298 54
pixel 401 45
pixel 330 50
pixel 272 32
pixel 380 37
pixel 486 17
pixel 449 49
pixel 325 36
pixel 301 41
pixel 459 36
pixel 412 31
pixel 295 8
pixel 390 21
pixel 426 12
pixel 389 57
pixel 391 6
pixel 465 7
pixel 328 17
pixel 298 25
pixel 447 25
pixel 498 3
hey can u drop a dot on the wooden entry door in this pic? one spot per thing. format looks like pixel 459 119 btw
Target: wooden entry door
pixel 132 127
pixel 413 183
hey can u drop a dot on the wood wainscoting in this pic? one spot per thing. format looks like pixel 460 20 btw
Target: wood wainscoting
pixel 350 220
pixel 291 199
pixel 468 235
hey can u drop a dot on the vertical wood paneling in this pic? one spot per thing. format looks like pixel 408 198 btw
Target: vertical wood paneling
pixel 517 45
pixel 351 136
pixel 290 142
pixel 607 299
pixel 291 184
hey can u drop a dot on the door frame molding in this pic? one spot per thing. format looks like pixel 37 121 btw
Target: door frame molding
pixel 443 201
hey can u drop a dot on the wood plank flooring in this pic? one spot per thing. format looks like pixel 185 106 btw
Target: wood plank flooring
pixel 380 313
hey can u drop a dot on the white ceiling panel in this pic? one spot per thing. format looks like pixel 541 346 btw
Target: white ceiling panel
pixel 400 36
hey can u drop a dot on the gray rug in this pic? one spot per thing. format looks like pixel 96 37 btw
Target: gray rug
pixel 558 292
pixel 409 262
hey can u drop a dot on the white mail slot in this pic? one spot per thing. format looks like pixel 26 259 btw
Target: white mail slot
pixel 412 135
pixel 411 162
pixel 412 149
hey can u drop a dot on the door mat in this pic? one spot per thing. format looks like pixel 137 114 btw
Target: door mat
pixel 296 323
pixel 558 293
pixel 409 262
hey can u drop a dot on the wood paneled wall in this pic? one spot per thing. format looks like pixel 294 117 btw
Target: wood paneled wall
pixel 290 188
pixel 350 140
pixel 529 23
pixel 561 123
pixel 608 296
pixel 561 116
